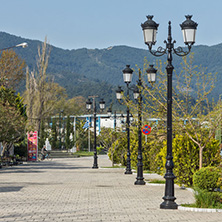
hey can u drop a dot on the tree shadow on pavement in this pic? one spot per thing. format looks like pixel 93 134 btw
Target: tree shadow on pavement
pixel 39 167
pixel 10 189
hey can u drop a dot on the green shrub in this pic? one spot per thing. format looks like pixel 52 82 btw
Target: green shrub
pixel 118 150
pixel 206 199
pixel 150 149
pixel 207 178
pixel 20 148
pixel 100 150
pixel 186 157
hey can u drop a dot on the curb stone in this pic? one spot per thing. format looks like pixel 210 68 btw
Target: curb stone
pixel 208 210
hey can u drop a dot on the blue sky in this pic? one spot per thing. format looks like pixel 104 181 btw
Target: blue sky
pixel 73 24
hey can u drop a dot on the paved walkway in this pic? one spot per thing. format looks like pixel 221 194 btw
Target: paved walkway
pixel 70 190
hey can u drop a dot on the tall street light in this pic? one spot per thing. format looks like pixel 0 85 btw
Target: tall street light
pixel 189 31
pixel 23 45
pixel 89 107
pixel 127 77
pixel 137 93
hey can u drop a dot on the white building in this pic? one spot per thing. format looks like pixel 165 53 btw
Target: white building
pixel 103 120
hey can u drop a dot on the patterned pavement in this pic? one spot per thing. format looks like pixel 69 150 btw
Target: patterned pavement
pixel 70 190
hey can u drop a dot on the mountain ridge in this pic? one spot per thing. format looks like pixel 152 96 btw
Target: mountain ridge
pixel 103 67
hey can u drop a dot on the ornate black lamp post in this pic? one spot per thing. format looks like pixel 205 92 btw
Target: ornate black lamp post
pixel 127 77
pixel 89 107
pixel 189 31
pixel 137 93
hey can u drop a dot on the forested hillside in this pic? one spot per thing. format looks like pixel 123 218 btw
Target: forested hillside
pixel 99 71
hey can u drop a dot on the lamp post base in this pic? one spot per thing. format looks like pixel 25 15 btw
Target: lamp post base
pixel 140 182
pixel 128 172
pixel 95 163
pixel 168 204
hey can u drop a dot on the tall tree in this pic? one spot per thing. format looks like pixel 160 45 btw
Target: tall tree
pixel 12 69
pixel 73 106
pixel 41 93
pixel 192 110
pixel 12 118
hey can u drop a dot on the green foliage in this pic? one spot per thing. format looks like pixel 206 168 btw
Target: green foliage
pixel 106 137
pixel 117 152
pixel 73 106
pixel 156 181
pixel 83 67
pixel 207 178
pixel 194 146
pixel 42 135
pixel 146 147
pixel 12 69
pixel 83 153
pixel 13 117
pixel 68 142
pixel 206 199
pixel 150 148
pixel 118 149
pixel 100 149
pixel 20 148
pixel 53 136
pixel 82 136
pixel 186 157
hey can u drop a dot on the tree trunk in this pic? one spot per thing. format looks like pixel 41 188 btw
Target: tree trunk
pixel 200 157
pixel 112 152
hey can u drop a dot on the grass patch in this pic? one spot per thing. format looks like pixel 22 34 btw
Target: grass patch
pixel 156 181
pixel 206 199
pixel 122 167
pixel 148 171
pixel 189 205
pixel 83 153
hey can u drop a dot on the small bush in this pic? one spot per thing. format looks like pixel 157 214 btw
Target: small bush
pixel 207 178
pixel 206 199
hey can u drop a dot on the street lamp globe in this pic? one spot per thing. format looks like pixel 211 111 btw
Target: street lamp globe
pixel 151 74
pixel 136 93
pixel 149 31
pixel 102 104
pixel 127 74
pixel 119 93
pixel 189 28
pixel 88 104
pixel 109 112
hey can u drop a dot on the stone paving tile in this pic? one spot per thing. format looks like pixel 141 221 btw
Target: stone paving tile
pixel 70 190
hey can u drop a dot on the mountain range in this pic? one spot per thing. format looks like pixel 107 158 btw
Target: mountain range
pixel 99 71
